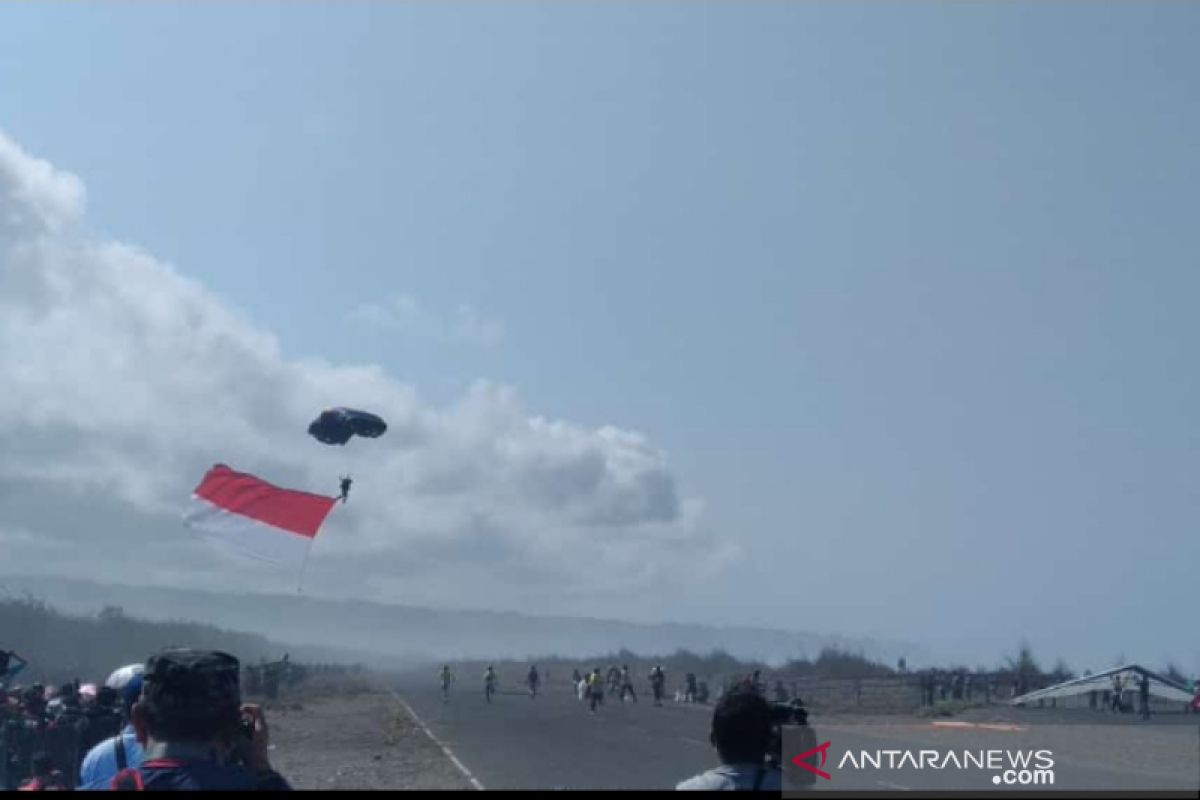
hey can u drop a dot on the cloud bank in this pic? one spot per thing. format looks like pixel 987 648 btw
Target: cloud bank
pixel 124 379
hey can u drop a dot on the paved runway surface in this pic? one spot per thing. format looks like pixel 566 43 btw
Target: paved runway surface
pixel 554 743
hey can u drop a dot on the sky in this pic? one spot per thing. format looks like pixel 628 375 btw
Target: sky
pixel 866 319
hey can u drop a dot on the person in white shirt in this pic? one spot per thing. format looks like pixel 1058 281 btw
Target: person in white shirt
pixel 741 733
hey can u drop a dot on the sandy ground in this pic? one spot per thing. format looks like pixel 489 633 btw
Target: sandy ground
pixel 360 742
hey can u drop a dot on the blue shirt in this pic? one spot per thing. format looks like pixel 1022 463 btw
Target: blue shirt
pixel 100 764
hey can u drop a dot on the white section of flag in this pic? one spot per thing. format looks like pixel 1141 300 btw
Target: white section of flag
pixel 246 535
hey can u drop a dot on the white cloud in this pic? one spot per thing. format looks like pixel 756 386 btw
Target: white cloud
pixel 124 380
pixel 403 315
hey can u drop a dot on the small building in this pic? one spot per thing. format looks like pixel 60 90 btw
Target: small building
pixel 1096 692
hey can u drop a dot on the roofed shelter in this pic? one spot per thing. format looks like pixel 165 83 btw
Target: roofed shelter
pixel 1095 691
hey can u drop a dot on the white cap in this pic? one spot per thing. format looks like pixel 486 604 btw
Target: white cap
pixel 122 676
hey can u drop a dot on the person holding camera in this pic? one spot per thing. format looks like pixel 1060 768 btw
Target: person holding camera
pixel 194 731
pixel 742 733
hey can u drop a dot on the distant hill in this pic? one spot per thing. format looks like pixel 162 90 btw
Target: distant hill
pixel 59 646
pixel 412 633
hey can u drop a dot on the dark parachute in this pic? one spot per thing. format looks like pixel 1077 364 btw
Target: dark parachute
pixel 337 425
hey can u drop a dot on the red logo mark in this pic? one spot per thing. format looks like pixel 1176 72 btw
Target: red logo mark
pixel 799 761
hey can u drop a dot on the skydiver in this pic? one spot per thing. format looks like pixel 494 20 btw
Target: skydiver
pixel 345 488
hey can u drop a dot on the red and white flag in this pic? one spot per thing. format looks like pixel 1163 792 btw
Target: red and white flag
pixel 256 518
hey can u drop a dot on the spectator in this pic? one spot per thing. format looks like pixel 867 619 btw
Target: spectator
pixel 102 718
pixel 24 734
pixel 105 760
pixel 741 733
pixel 65 732
pixel 194 731
pixel 45 776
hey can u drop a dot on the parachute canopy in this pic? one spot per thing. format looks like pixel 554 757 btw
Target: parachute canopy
pixel 337 425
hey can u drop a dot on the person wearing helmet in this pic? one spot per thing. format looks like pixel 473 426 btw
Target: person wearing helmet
pixel 105 760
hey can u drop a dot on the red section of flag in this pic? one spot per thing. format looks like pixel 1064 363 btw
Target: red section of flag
pixel 239 493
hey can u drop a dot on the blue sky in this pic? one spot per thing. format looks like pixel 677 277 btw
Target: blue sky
pixel 905 292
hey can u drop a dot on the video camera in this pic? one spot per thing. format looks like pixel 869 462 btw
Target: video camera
pixel 791 713
pixel 243 741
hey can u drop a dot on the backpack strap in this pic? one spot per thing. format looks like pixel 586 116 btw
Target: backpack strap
pixel 127 780
pixel 122 761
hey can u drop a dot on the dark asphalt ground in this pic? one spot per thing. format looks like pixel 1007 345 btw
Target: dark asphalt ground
pixel 554 743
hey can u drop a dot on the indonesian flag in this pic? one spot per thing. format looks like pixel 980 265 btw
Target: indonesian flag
pixel 256 518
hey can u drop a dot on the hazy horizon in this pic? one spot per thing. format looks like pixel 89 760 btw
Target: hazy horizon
pixel 875 320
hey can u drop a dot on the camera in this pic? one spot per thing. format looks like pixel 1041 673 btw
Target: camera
pixel 243 739
pixel 246 729
pixel 792 713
